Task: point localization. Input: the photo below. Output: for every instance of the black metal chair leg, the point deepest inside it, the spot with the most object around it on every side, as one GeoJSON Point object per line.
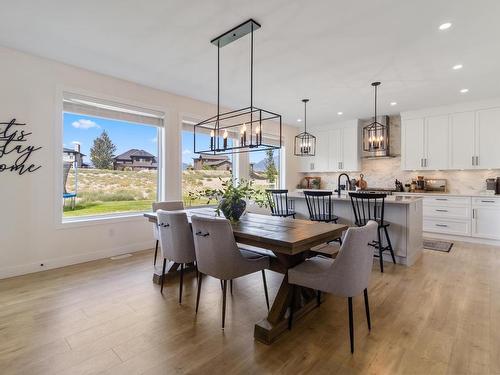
{"type": "Point", "coordinates": [200, 278]}
{"type": "Point", "coordinates": [156, 252]}
{"type": "Point", "coordinates": [292, 304]}
{"type": "Point", "coordinates": [181, 282]}
{"type": "Point", "coordinates": [351, 325]}
{"type": "Point", "coordinates": [265, 288]}
{"type": "Point", "coordinates": [231, 286]}
{"type": "Point", "coordinates": [389, 245]}
{"type": "Point", "coordinates": [224, 289]}
{"type": "Point", "coordinates": [380, 251]}
{"type": "Point", "coordinates": [367, 309]}
{"type": "Point", "coordinates": [163, 274]}
{"type": "Point", "coordinates": [318, 297]}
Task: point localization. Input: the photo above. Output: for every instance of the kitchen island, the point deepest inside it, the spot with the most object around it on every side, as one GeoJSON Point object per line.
{"type": "Point", "coordinates": [404, 213]}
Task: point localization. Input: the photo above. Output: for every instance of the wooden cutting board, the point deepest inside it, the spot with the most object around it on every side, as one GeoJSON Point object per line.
{"type": "Point", "coordinates": [361, 183]}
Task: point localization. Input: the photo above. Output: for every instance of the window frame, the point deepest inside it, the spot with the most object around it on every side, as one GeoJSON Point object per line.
{"type": "Point", "coordinates": [60, 222]}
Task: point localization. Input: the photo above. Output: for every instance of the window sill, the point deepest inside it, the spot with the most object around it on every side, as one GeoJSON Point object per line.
{"type": "Point", "coordinates": [85, 221]}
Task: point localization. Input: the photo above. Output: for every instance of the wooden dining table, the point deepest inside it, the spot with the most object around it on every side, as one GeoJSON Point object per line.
{"type": "Point", "coordinates": [290, 240]}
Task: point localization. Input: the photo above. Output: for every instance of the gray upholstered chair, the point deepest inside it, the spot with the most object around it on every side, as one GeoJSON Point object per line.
{"type": "Point", "coordinates": [176, 242]}
{"type": "Point", "coordinates": [167, 206]}
{"type": "Point", "coordinates": [346, 276]}
{"type": "Point", "coordinates": [218, 255]}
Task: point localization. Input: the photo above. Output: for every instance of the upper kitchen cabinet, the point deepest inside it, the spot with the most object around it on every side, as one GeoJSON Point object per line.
{"type": "Point", "coordinates": [412, 144]}
{"type": "Point", "coordinates": [487, 138]}
{"type": "Point", "coordinates": [462, 134]}
{"type": "Point", "coordinates": [457, 139]}
{"type": "Point", "coordinates": [337, 149]}
{"type": "Point", "coordinates": [425, 143]}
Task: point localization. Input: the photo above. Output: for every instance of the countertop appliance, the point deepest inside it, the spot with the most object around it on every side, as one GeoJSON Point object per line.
{"type": "Point", "coordinates": [493, 185]}
{"type": "Point", "coordinates": [435, 185]}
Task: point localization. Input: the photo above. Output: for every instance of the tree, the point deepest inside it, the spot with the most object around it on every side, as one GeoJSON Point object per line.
{"type": "Point", "coordinates": [271, 171]}
{"type": "Point", "coordinates": [101, 153]}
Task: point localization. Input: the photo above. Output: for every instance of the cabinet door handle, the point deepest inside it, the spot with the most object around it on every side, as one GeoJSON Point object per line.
{"type": "Point", "coordinates": [473, 213]}
{"type": "Point", "coordinates": [473, 161]}
{"type": "Point", "coordinates": [442, 225]}
{"type": "Point", "coordinates": [483, 201]}
{"type": "Point", "coordinates": [477, 160]}
{"type": "Point", "coordinates": [441, 199]}
{"type": "Point", "coordinates": [421, 162]}
{"type": "Point", "coordinates": [442, 210]}
{"type": "Point", "coordinates": [425, 162]}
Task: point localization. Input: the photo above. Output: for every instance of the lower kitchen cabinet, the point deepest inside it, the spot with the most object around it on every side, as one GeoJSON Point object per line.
{"type": "Point", "coordinates": [486, 218]}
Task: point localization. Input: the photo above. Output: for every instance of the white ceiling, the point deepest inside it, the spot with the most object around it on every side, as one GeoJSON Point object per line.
{"type": "Point", "coordinates": [328, 50]}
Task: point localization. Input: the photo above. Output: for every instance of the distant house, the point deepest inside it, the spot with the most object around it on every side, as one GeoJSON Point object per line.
{"type": "Point", "coordinates": [135, 160]}
{"type": "Point", "coordinates": [74, 155]}
{"type": "Point", "coordinates": [220, 163]}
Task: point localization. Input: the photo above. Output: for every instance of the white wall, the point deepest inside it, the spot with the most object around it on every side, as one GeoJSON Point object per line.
{"type": "Point", "coordinates": [30, 92]}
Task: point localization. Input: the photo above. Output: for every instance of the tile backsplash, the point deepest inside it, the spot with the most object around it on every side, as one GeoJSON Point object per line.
{"type": "Point", "coordinates": [381, 173]}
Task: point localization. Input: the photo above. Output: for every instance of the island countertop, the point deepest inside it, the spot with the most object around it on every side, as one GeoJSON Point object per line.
{"type": "Point", "coordinates": [390, 199]}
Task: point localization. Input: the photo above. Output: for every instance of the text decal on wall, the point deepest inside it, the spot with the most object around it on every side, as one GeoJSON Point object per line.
{"type": "Point", "coordinates": [14, 153]}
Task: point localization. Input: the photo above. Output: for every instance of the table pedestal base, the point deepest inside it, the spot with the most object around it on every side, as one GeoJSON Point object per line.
{"type": "Point", "coordinates": [171, 272]}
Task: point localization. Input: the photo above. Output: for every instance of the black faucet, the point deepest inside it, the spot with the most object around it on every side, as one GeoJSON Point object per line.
{"type": "Point", "coordinates": [347, 184]}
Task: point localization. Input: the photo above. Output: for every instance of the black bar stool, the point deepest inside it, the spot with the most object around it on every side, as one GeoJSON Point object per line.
{"type": "Point", "coordinates": [279, 203]}
{"type": "Point", "coordinates": [320, 206]}
{"type": "Point", "coordinates": [370, 206]}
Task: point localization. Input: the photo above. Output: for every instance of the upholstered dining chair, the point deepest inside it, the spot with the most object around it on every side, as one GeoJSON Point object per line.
{"type": "Point", "coordinates": [346, 276]}
{"type": "Point", "coordinates": [176, 242]}
{"type": "Point", "coordinates": [166, 206]}
{"type": "Point", "coordinates": [218, 255]}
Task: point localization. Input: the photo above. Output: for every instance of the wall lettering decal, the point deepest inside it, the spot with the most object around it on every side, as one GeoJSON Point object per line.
{"type": "Point", "coordinates": [13, 148]}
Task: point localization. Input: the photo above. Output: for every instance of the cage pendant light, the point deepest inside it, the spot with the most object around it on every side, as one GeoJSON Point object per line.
{"type": "Point", "coordinates": [242, 130]}
{"type": "Point", "coordinates": [305, 143]}
{"type": "Point", "coordinates": [375, 134]}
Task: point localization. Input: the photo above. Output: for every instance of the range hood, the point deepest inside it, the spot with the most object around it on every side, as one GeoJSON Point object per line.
{"type": "Point", "coordinates": [384, 120]}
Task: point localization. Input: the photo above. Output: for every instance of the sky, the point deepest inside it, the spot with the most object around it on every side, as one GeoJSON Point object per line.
{"type": "Point", "coordinates": [125, 136]}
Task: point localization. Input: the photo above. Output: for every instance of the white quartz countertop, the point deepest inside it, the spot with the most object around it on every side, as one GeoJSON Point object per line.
{"type": "Point", "coordinates": [390, 199]}
{"type": "Point", "coordinates": [430, 194]}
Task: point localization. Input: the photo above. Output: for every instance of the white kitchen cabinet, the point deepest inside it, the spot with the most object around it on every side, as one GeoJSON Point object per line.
{"type": "Point", "coordinates": [462, 134]}
{"type": "Point", "coordinates": [487, 138]}
{"type": "Point", "coordinates": [350, 149]}
{"type": "Point", "coordinates": [486, 218]}
{"type": "Point", "coordinates": [334, 151]}
{"type": "Point", "coordinates": [412, 143]}
{"type": "Point", "coordinates": [318, 162]}
{"type": "Point", "coordinates": [436, 142]}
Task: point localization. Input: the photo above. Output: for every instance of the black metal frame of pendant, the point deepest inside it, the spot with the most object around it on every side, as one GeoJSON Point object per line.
{"type": "Point", "coordinates": [246, 124]}
{"type": "Point", "coordinates": [375, 134]}
{"type": "Point", "coordinates": [304, 143]}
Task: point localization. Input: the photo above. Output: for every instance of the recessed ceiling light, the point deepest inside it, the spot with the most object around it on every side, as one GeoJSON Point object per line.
{"type": "Point", "coordinates": [458, 66]}
{"type": "Point", "coordinates": [463, 91]}
{"type": "Point", "coordinates": [393, 103]}
{"type": "Point", "coordinates": [445, 26]}
{"type": "Point", "coordinates": [340, 113]}
{"type": "Point", "coordinates": [299, 120]}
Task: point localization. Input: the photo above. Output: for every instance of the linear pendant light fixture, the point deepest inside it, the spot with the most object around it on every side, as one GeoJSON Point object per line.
{"type": "Point", "coordinates": [243, 127]}
{"type": "Point", "coordinates": [375, 135]}
{"type": "Point", "coordinates": [305, 143]}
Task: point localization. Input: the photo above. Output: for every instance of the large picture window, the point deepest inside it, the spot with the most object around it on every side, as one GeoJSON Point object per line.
{"type": "Point", "coordinates": [110, 157]}
{"type": "Point", "coordinates": [264, 169]}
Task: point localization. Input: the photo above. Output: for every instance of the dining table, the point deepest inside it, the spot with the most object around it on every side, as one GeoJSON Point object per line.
{"type": "Point", "coordinates": [289, 242]}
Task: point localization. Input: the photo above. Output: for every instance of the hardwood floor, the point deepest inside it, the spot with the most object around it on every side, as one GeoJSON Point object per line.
{"type": "Point", "coordinates": [441, 316]}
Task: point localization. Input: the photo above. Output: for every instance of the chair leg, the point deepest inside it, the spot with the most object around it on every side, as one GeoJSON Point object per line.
{"type": "Point", "coordinates": [389, 245]}
{"type": "Point", "coordinates": [181, 282]}
{"type": "Point", "coordinates": [290, 318]}
{"type": "Point", "coordinates": [156, 252]}
{"type": "Point", "coordinates": [224, 289]}
{"type": "Point", "coordinates": [351, 325]}
{"type": "Point", "coordinates": [265, 288]}
{"type": "Point", "coordinates": [318, 297]}
{"type": "Point", "coordinates": [367, 309]}
{"type": "Point", "coordinates": [231, 286]}
{"type": "Point", "coordinates": [293, 216]}
{"type": "Point", "coordinates": [163, 274]}
{"type": "Point", "coordinates": [221, 285]}
{"type": "Point", "coordinates": [200, 278]}
{"type": "Point", "coordinates": [381, 259]}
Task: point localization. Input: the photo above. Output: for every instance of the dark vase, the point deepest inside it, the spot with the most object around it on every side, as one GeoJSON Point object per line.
{"type": "Point", "coordinates": [232, 209]}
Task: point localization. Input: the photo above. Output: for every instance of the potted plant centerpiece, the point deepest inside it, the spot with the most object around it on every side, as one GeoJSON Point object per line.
{"type": "Point", "coordinates": [232, 197]}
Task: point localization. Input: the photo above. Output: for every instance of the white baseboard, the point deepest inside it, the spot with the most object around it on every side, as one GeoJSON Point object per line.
{"type": "Point", "coordinates": [449, 237]}
{"type": "Point", "coordinates": [49, 264]}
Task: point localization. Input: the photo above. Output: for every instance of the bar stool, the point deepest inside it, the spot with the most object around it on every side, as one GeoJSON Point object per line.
{"type": "Point", "coordinates": [370, 206]}
{"type": "Point", "coordinates": [320, 207]}
{"type": "Point", "coordinates": [279, 203]}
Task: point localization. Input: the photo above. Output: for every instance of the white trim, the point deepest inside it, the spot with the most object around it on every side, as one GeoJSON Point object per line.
{"type": "Point", "coordinates": [86, 221]}
{"type": "Point", "coordinates": [58, 220]}
{"type": "Point", "coordinates": [72, 259]}
{"type": "Point", "coordinates": [468, 239]}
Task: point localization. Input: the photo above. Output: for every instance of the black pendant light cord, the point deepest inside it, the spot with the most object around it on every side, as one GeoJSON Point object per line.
{"type": "Point", "coordinates": [305, 116]}
{"type": "Point", "coordinates": [251, 87]}
{"type": "Point", "coordinates": [375, 103]}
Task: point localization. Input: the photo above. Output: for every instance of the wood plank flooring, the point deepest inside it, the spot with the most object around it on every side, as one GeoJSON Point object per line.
{"type": "Point", "coordinates": [441, 316]}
